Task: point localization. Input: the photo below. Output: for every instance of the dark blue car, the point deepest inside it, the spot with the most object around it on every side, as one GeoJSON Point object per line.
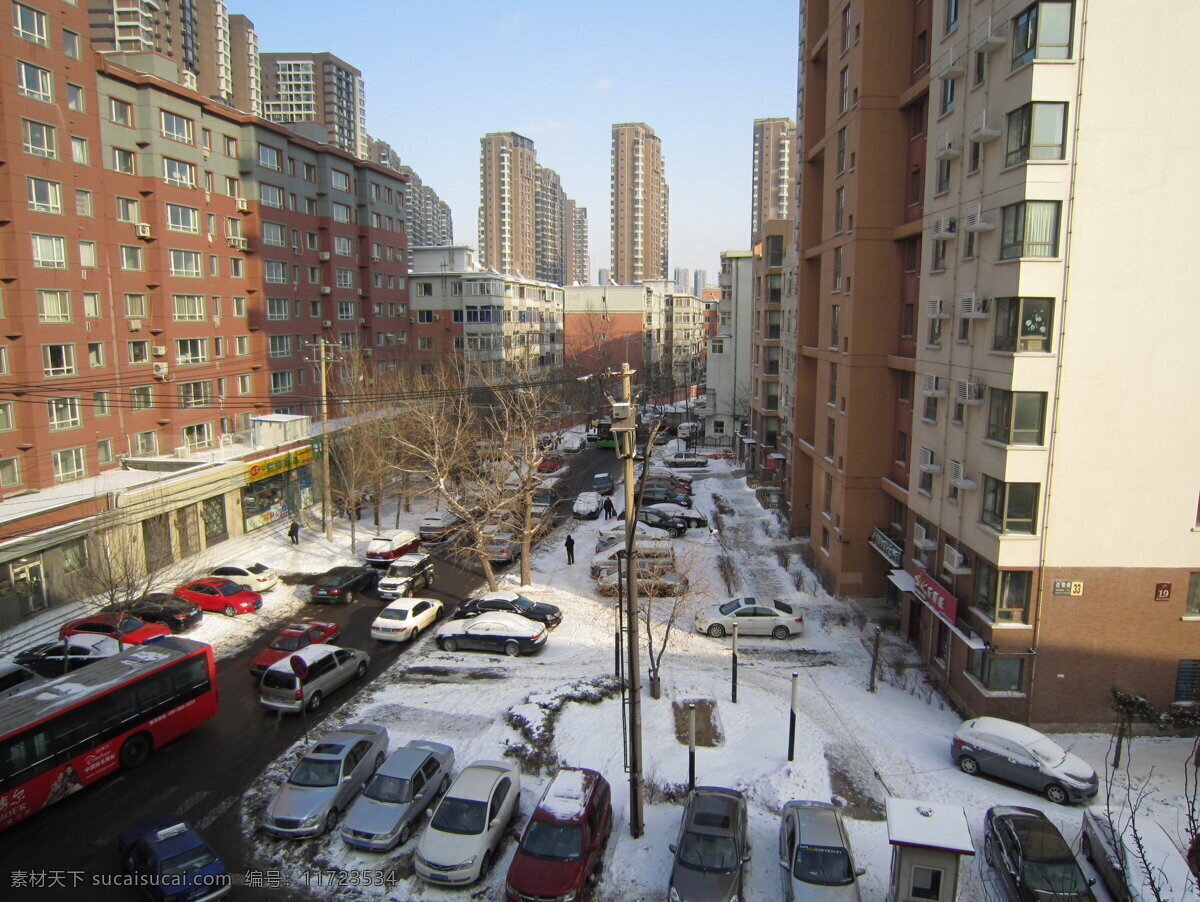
{"type": "Point", "coordinates": [181, 865]}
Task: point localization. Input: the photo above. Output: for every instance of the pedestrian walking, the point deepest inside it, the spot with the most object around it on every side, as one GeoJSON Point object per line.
{"type": "Point", "coordinates": [570, 544]}
{"type": "Point", "coordinates": [294, 532]}
{"type": "Point", "coordinates": [609, 510]}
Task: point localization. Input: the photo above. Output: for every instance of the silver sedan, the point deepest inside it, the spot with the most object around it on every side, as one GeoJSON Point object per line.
{"type": "Point", "coordinates": [391, 806]}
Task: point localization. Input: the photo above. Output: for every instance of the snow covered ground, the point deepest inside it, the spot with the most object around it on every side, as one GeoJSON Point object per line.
{"type": "Point", "coordinates": [851, 745]}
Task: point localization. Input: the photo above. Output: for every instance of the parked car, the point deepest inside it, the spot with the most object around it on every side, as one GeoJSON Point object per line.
{"type": "Point", "coordinates": [603, 483]}
{"type": "Point", "coordinates": [325, 781]}
{"type": "Point", "coordinates": [438, 527]}
{"type": "Point", "coordinates": [512, 603]}
{"type": "Point", "coordinates": [815, 856]}
{"type": "Point", "coordinates": [215, 593]}
{"type": "Point", "coordinates": [683, 459]}
{"type": "Point", "coordinates": [1022, 755]}
{"type": "Point", "coordinates": [1122, 865]}
{"type": "Point", "coordinates": [551, 462]}
{"type": "Point", "coordinates": [610, 537]}
{"type": "Point", "coordinates": [1103, 847]}
{"type": "Point", "coordinates": [171, 860]}
{"type": "Point", "coordinates": [659, 551]}
{"type": "Point", "coordinates": [572, 443]}
{"type": "Point", "coordinates": [544, 498]}
{"type": "Point", "coordinates": [339, 584]}
{"type": "Point", "coordinates": [664, 482]}
{"type": "Point", "coordinates": [495, 631]}
{"type": "Point", "coordinates": [291, 639]}
{"type": "Point", "coordinates": [121, 626]}
{"type": "Point", "coordinates": [659, 494]}
{"type": "Point", "coordinates": [469, 823]}
{"type": "Point", "coordinates": [1030, 858]}
{"type": "Point", "coordinates": [689, 429]}
{"type": "Point", "coordinates": [587, 506]}
{"type": "Point", "coordinates": [384, 549]}
{"type": "Point", "coordinates": [694, 519]}
{"type": "Point", "coordinates": [328, 668]}
{"type": "Point", "coordinates": [248, 574]}
{"type": "Point", "coordinates": [53, 659]}
{"type": "Point", "coordinates": [500, 544]}
{"type": "Point", "coordinates": [753, 618]}
{"type": "Point", "coordinates": [712, 849]}
{"type": "Point", "coordinates": [652, 582]}
{"type": "Point", "coordinates": [667, 473]}
{"type": "Point", "coordinates": [406, 575]}
{"type": "Point", "coordinates": [563, 842]}
{"type": "Point", "coordinates": [672, 526]}
{"type": "Point", "coordinates": [16, 678]}
{"type": "Point", "coordinates": [171, 611]}
{"type": "Point", "coordinates": [405, 619]}
{"type": "Point", "coordinates": [402, 789]}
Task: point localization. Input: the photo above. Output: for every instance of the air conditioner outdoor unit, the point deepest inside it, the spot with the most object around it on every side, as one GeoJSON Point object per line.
{"type": "Point", "coordinates": [324, 256]}
{"type": "Point", "coordinates": [954, 561]}
{"type": "Point", "coordinates": [437, 317]}
{"type": "Point", "coordinates": [159, 351]}
{"type": "Point", "coordinates": [362, 320]}
{"type": "Point", "coordinates": [142, 230]}
{"type": "Point", "coordinates": [985, 38]}
{"type": "Point", "coordinates": [239, 243]}
{"type": "Point", "coordinates": [325, 289]}
{"type": "Point", "coordinates": [945, 148]}
{"type": "Point", "coordinates": [360, 291]}
{"type": "Point", "coordinates": [921, 540]}
{"type": "Point", "coordinates": [974, 307]}
{"type": "Point", "coordinates": [241, 205]}
{"type": "Point", "coordinates": [957, 477]}
{"type": "Point", "coordinates": [973, 221]}
{"type": "Point", "coordinates": [943, 227]}
{"type": "Point", "coordinates": [183, 451]}
{"type": "Point", "coordinates": [326, 324]}
{"type": "Point", "coordinates": [937, 309]}
{"type": "Point", "coordinates": [135, 325]}
{"type": "Point", "coordinates": [160, 369]}
{"type": "Point", "coordinates": [928, 462]}
{"type": "Point", "coordinates": [375, 258]}
{"type": "Point", "coordinates": [217, 321]}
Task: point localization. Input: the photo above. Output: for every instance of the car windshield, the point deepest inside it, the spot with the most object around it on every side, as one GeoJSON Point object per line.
{"type": "Point", "coordinates": [258, 568]}
{"type": "Point", "coordinates": [822, 866]}
{"type": "Point", "coordinates": [388, 789]}
{"type": "Point", "coordinates": [129, 624]}
{"type": "Point", "coordinates": [558, 842]}
{"type": "Point", "coordinates": [286, 643]}
{"type": "Point", "coordinates": [463, 816]}
{"type": "Point", "coordinates": [730, 606]}
{"type": "Point", "coordinates": [393, 614]}
{"type": "Point", "coordinates": [521, 603]}
{"type": "Point", "coordinates": [400, 571]}
{"type": "Point", "coordinates": [706, 852]}
{"type": "Point", "coordinates": [316, 772]}
{"type": "Point", "coordinates": [184, 862]}
{"type": "Point", "coordinates": [1058, 877]}
{"type": "Point", "coordinates": [1048, 752]}
{"type": "Point", "coordinates": [229, 588]}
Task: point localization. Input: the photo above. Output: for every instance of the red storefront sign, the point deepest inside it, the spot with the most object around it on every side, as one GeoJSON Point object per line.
{"type": "Point", "coordinates": [935, 596]}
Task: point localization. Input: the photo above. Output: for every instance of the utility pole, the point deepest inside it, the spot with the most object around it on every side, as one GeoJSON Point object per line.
{"type": "Point", "coordinates": [327, 498]}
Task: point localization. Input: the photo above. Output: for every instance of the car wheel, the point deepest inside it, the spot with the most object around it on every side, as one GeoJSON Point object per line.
{"type": "Point", "coordinates": [1085, 846]}
{"type": "Point", "coordinates": [415, 632]}
{"type": "Point", "coordinates": [512, 648]}
{"type": "Point", "coordinates": [1056, 794]}
{"type": "Point", "coordinates": [673, 533]}
{"type": "Point", "coordinates": [230, 611]}
{"type": "Point", "coordinates": [349, 598]}
{"type": "Point", "coordinates": [486, 864]}
{"type": "Point", "coordinates": [989, 853]}
{"type": "Point", "coordinates": [716, 631]}
{"type": "Point", "coordinates": [331, 820]}
{"type": "Point", "coordinates": [405, 834]}
{"type": "Point", "coordinates": [315, 702]}
{"type": "Point", "coordinates": [968, 765]}
{"type": "Point", "coordinates": [781, 632]}
{"type": "Point", "coordinates": [449, 644]}
{"type": "Point", "coordinates": [361, 670]}
{"type": "Point", "coordinates": [135, 751]}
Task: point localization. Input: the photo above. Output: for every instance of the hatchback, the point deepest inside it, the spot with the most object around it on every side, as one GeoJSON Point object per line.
{"type": "Point", "coordinates": [327, 667]}
{"type": "Point", "coordinates": [587, 506]}
{"type": "Point", "coordinates": [1022, 755]}
{"type": "Point", "coordinates": [815, 857]}
{"type": "Point", "coordinates": [712, 849]}
{"type": "Point", "coordinates": [391, 805]}
{"type": "Point", "coordinates": [1030, 858]}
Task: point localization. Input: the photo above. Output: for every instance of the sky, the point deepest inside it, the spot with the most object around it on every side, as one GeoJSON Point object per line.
{"type": "Point", "coordinates": [440, 76]}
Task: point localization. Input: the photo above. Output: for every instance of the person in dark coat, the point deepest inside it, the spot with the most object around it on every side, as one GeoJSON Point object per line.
{"type": "Point", "coordinates": [610, 510]}
{"type": "Point", "coordinates": [294, 532]}
{"type": "Point", "coordinates": [570, 544]}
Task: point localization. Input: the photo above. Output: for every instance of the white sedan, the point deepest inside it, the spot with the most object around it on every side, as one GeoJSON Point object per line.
{"type": "Point", "coordinates": [248, 574]}
{"type": "Point", "coordinates": [405, 619]}
{"type": "Point", "coordinates": [753, 618]}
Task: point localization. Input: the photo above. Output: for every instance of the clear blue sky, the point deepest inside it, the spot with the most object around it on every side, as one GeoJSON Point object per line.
{"type": "Point", "coordinates": [440, 76]}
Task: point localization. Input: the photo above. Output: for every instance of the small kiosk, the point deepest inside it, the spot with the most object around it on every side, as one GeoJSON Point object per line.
{"type": "Point", "coordinates": [927, 841]}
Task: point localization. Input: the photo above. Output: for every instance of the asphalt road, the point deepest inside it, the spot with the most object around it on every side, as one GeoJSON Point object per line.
{"type": "Point", "coordinates": [203, 774]}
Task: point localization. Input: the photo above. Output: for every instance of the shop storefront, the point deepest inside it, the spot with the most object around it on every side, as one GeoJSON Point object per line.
{"type": "Point", "coordinates": [279, 487]}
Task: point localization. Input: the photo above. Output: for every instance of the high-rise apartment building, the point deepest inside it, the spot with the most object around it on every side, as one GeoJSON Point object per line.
{"type": "Point", "coordinates": [640, 205]}
{"type": "Point", "coordinates": [427, 217]}
{"type": "Point", "coordinates": [246, 66]}
{"type": "Point", "coordinates": [771, 180]}
{"type": "Point", "coordinates": [317, 89]}
{"type": "Point", "coordinates": [508, 203]}
{"type": "Point", "coordinates": [551, 227]}
{"type": "Point", "coordinates": [977, 430]}
{"type": "Point", "coordinates": [579, 262]}
{"type": "Point", "coordinates": [699, 282]}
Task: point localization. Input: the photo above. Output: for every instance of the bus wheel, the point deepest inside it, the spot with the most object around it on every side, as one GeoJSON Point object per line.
{"type": "Point", "coordinates": [135, 751]}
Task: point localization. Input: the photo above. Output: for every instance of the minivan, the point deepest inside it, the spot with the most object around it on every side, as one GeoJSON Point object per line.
{"type": "Point", "coordinates": [328, 667]}
{"type": "Point", "coordinates": [382, 550]}
{"type": "Point", "coordinates": [1022, 755]}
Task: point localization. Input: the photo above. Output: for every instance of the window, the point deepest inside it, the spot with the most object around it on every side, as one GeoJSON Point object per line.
{"type": "Point", "coordinates": [979, 71]}
{"type": "Point", "coordinates": [104, 451]}
{"type": "Point", "coordinates": [424, 290]}
{"type": "Point", "coordinates": [273, 234]}
{"type": "Point", "coordinates": [343, 246]}
{"type": "Point", "coordinates": [79, 151]}
{"type": "Point", "coordinates": [49, 252]}
{"type": "Point", "coordinates": [10, 472]}
{"type": "Point", "coordinates": [145, 443]}
{"type": "Point", "coordinates": [141, 397]}
{"type": "Point", "coordinates": [39, 139]}
{"type": "Point", "coordinates": [841, 150]}
{"type": "Point", "coordinates": [83, 202]}
{"type": "Point", "coordinates": [69, 464]}
{"type": "Point", "coordinates": [34, 82]}
{"type": "Point", "coordinates": [177, 172]}
{"type": "Point", "coordinates": [835, 325]}
{"type": "Point", "coordinates": [974, 157]}
{"type": "Point", "coordinates": [43, 195]}
{"type": "Point", "coordinates": [424, 344]}
{"type": "Point", "coordinates": [943, 177]}
{"type": "Point", "coordinates": [1016, 418]}
{"type": "Point", "coordinates": [837, 269]}
{"type": "Point", "coordinates": [1010, 507]}
{"type": "Point", "coordinates": [127, 209]}
{"type": "Point", "coordinates": [270, 196]}
{"type": "Point", "coordinates": [929, 409]}
{"type": "Point", "coordinates": [241, 345]}
{"type": "Point", "coordinates": [1187, 681]}
{"type": "Point", "coordinates": [72, 46]}
{"type": "Point", "coordinates": [345, 309]}
{"type": "Point", "coordinates": [75, 98]}
{"type": "Point", "coordinates": [183, 219]}
{"type": "Point", "coordinates": [280, 346]}
{"type": "Point", "coordinates": [341, 212]}
{"type": "Point", "coordinates": [29, 24]}
{"type": "Point", "coordinates": [340, 180]}
{"type": "Point", "coordinates": [91, 304]}
{"type": "Point", "coordinates": [64, 413]}
{"type": "Point", "coordinates": [937, 255]}
{"type": "Point", "coordinates": [844, 90]}
{"type": "Point", "coordinates": [239, 306]}
{"type": "Point", "coordinates": [1043, 31]}
{"type": "Point", "coordinates": [839, 209]}
{"type": "Point", "coordinates": [951, 15]}
{"type": "Point", "coordinates": [185, 264]}
{"type": "Point", "coordinates": [281, 383]}
{"type": "Point", "coordinates": [1036, 131]}
{"type": "Point", "coordinates": [195, 394]}
{"type": "Point", "coordinates": [54, 306]}
{"type": "Point", "coordinates": [187, 307]}
{"type": "Point", "coordinates": [191, 350]}
{"type": "Point", "coordinates": [87, 253]}
{"type": "Point", "coordinates": [1002, 595]}
{"type": "Point", "coordinates": [846, 28]}
{"type": "Point", "coordinates": [176, 127]}
{"type": "Point", "coordinates": [344, 278]}
{"type": "Point", "coordinates": [278, 309]}
{"type": "Point", "coordinates": [270, 158]}
{"type": "Point", "coordinates": [996, 673]}
{"type": "Point", "coordinates": [928, 461]}
{"type": "Point", "coordinates": [902, 448]}
{"type": "Point", "coordinates": [230, 145]}
{"type": "Point", "coordinates": [237, 267]}
{"type": "Point", "coordinates": [139, 351]}
{"type": "Point", "coordinates": [830, 437]}
{"type": "Point", "coordinates": [1192, 607]}
{"type": "Point", "coordinates": [198, 436]}
{"type": "Point", "coordinates": [1030, 229]}
{"type": "Point", "coordinates": [1023, 324]}
{"type": "Point", "coordinates": [946, 96]}
{"type": "Point", "coordinates": [123, 161]}
{"type": "Point", "coordinates": [243, 382]}
{"type": "Point", "coordinates": [120, 112]}
{"type": "Point", "coordinates": [7, 423]}
{"type": "Point", "coordinates": [135, 305]}
{"type": "Point", "coordinates": [914, 185]}
{"type": "Point", "coordinates": [969, 241]}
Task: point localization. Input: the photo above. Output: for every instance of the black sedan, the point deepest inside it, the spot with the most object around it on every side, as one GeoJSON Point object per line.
{"type": "Point", "coordinates": [494, 631]}
{"type": "Point", "coordinates": [1030, 857]}
{"type": "Point", "coordinates": [53, 659]}
{"type": "Point", "coordinates": [655, 518]}
{"type": "Point", "coordinates": [512, 603]}
{"type": "Point", "coordinates": [662, 495]}
{"type": "Point", "coordinates": [339, 584]}
{"type": "Point", "coordinates": [162, 607]}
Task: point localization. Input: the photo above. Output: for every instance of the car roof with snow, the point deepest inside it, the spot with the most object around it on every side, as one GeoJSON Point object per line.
{"type": "Point", "coordinates": [1002, 729]}
{"type": "Point", "coordinates": [309, 654]}
{"type": "Point", "coordinates": [404, 604]}
{"type": "Point", "coordinates": [565, 799]}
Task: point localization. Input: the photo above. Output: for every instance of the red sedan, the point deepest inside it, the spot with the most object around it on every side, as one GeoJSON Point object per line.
{"type": "Point", "coordinates": [217, 594]}
{"type": "Point", "coordinates": [291, 639]}
{"type": "Point", "coordinates": [110, 623]}
{"type": "Point", "coordinates": [550, 463]}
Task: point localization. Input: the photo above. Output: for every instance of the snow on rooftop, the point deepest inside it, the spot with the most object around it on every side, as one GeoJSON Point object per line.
{"type": "Point", "coordinates": [929, 825]}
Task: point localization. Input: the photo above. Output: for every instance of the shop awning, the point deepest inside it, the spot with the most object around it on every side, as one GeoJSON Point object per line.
{"type": "Point", "coordinates": [902, 580]}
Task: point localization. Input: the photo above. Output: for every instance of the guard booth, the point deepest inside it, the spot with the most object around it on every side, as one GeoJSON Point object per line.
{"type": "Point", "coordinates": [928, 840]}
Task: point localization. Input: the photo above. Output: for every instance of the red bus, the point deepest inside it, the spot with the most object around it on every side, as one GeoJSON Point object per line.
{"type": "Point", "coordinates": [60, 736]}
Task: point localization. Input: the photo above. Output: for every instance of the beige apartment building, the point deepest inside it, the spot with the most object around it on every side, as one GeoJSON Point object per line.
{"type": "Point", "coordinates": [771, 178]}
{"type": "Point", "coordinates": [640, 198]}
{"type": "Point", "coordinates": [317, 89]}
{"type": "Point", "coordinates": [508, 203]}
{"type": "Point", "coordinates": [990, 442]}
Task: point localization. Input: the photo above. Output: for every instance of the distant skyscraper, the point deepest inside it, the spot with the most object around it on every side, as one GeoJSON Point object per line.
{"type": "Point", "coordinates": [427, 218]}
{"type": "Point", "coordinates": [578, 260]}
{"type": "Point", "coordinates": [683, 281]}
{"type": "Point", "coordinates": [772, 181]}
{"type": "Point", "coordinates": [551, 227]}
{"type": "Point", "coordinates": [246, 65]}
{"type": "Point", "coordinates": [603, 276]}
{"type": "Point", "coordinates": [317, 88]}
{"type": "Point", "coordinates": [639, 204]}
{"type": "Point", "coordinates": [699, 282]}
{"type": "Point", "coordinates": [508, 203]}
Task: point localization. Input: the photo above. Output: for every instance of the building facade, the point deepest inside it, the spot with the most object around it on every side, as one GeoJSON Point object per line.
{"type": "Point", "coordinates": [551, 228]}
{"type": "Point", "coordinates": [579, 259]}
{"type": "Point", "coordinates": [508, 203]}
{"type": "Point", "coordinates": [640, 205]}
{"type": "Point", "coordinates": [317, 89]}
{"type": "Point", "coordinates": [246, 94]}
{"type": "Point", "coordinates": [607, 325]}
{"type": "Point", "coordinates": [727, 362]}
{"type": "Point", "coordinates": [771, 177]}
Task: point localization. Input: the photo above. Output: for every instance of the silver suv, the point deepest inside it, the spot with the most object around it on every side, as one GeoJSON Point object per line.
{"type": "Point", "coordinates": [327, 668]}
{"type": "Point", "coordinates": [814, 854]}
{"type": "Point", "coordinates": [406, 575]}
